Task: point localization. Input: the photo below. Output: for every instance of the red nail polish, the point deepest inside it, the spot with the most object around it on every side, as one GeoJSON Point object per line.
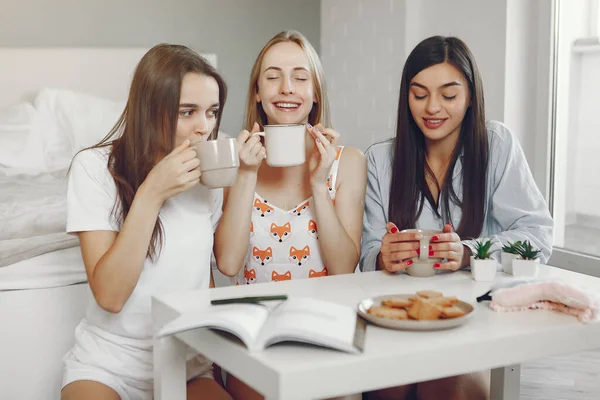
{"type": "Point", "coordinates": [394, 229]}
{"type": "Point", "coordinates": [435, 238]}
{"type": "Point", "coordinates": [430, 253]}
{"type": "Point", "coordinates": [418, 251]}
{"type": "Point", "coordinates": [409, 262]}
{"type": "Point", "coordinates": [430, 247]}
{"type": "Point", "coordinates": [436, 265]}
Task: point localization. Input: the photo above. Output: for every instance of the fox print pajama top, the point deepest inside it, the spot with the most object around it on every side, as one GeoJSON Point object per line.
{"type": "Point", "coordinates": [284, 244]}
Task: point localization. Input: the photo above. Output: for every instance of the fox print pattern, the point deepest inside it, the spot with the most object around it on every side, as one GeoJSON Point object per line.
{"type": "Point", "coordinates": [284, 241]}
{"type": "Point", "coordinates": [262, 208]}
{"type": "Point", "coordinates": [263, 257]}
{"type": "Point", "coordinates": [250, 275]}
{"type": "Point", "coordinates": [299, 256]}
{"type": "Point", "coordinates": [301, 209]}
{"type": "Point", "coordinates": [281, 233]}
{"type": "Point", "coordinates": [314, 274]}
{"type": "Point", "coordinates": [312, 229]}
{"type": "Point", "coordinates": [275, 277]}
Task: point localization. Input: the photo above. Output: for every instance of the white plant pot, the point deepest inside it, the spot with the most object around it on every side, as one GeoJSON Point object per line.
{"type": "Point", "coordinates": [507, 259]}
{"type": "Point", "coordinates": [483, 270]}
{"type": "Point", "coordinates": [525, 268]}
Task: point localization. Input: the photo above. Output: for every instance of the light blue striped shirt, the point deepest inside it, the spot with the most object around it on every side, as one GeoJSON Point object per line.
{"type": "Point", "coordinates": [514, 210]}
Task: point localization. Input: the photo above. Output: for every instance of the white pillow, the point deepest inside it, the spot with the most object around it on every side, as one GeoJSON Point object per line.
{"type": "Point", "coordinates": [81, 120]}
{"type": "Point", "coordinates": [20, 146]}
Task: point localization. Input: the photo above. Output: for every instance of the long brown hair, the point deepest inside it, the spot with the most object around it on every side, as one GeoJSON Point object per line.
{"type": "Point", "coordinates": [145, 132]}
{"type": "Point", "coordinates": [409, 188]}
{"type": "Point", "coordinates": [320, 110]}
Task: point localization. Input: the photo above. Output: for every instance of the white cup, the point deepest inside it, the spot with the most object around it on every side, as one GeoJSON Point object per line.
{"type": "Point", "coordinates": [285, 144]}
{"type": "Point", "coordinates": [423, 265]}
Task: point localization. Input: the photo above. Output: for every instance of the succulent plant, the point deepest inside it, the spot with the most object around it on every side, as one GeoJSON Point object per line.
{"type": "Point", "coordinates": [512, 248]}
{"type": "Point", "coordinates": [528, 252]}
{"type": "Point", "coordinates": [482, 249]}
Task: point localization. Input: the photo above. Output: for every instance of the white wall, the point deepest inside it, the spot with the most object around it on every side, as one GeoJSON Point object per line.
{"type": "Point", "coordinates": [365, 43]}
{"type": "Point", "coordinates": [480, 23]}
{"type": "Point", "coordinates": [362, 50]}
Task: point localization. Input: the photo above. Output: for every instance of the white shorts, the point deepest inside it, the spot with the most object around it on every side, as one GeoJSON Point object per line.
{"type": "Point", "coordinates": [123, 364]}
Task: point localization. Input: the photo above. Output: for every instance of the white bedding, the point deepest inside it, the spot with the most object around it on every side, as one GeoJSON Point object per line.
{"type": "Point", "coordinates": [58, 268]}
{"type": "Point", "coordinates": [32, 216]}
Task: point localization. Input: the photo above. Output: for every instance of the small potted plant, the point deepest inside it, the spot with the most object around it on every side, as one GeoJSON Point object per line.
{"type": "Point", "coordinates": [510, 252]}
{"type": "Point", "coordinates": [483, 268]}
{"type": "Point", "coordinates": [529, 262]}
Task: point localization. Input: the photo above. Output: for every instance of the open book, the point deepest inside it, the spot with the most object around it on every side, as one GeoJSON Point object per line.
{"type": "Point", "coordinates": [298, 319]}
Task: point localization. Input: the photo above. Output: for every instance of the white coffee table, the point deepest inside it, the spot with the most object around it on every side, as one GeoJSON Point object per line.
{"type": "Point", "coordinates": [490, 340]}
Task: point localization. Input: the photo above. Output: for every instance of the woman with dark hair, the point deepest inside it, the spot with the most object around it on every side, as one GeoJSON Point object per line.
{"type": "Point", "coordinates": [447, 169]}
{"type": "Point", "coordinates": [144, 224]}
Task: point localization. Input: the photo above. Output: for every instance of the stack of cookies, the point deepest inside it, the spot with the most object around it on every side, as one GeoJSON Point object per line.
{"type": "Point", "coordinates": [425, 305]}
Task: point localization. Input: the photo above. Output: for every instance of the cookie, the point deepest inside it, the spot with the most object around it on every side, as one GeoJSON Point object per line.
{"type": "Point", "coordinates": [422, 309]}
{"type": "Point", "coordinates": [396, 303]}
{"type": "Point", "coordinates": [452, 312]}
{"type": "Point", "coordinates": [428, 294]}
{"type": "Point", "coordinates": [444, 301]}
{"type": "Point", "coordinates": [388, 312]}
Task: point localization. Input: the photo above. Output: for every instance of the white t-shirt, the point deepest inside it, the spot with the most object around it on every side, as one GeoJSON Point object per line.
{"type": "Point", "coordinates": [189, 221]}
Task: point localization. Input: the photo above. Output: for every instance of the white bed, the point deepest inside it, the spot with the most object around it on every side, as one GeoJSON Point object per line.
{"type": "Point", "coordinates": [44, 296]}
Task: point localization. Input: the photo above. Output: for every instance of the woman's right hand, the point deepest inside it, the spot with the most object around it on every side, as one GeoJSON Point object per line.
{"type": "Point", "coordinates": [397, 249]}
{"type": "Point", "coordinates": [250, 149]}
{"type": "Point", "coordinates": [175, 173]}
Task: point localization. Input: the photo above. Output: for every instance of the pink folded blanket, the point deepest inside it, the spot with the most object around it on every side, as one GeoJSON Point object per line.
{"type": "Point", "coordinates": [546, 295]}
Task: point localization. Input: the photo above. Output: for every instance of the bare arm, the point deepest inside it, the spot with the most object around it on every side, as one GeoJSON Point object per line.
{"type": "Point", "coordinates": [340, 227]}
{"type": "Point", "coordinates": [233, 233]}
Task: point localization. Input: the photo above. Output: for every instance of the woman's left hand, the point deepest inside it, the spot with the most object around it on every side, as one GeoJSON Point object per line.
{"type": "Point", "coordinates": [448, 245]}
{"type": "Point", "coordinates": [320, 162]}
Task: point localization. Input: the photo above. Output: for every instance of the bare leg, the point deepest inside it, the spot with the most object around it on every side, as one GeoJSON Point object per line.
{"type": "Point", "coordinates": [88, 390]}
{"type": "Point", "coordinates": [404, 392]}
{"type": "Point", "coordinates": [206, 388]}
{"type": "Point", "coordinates": [475, 386]}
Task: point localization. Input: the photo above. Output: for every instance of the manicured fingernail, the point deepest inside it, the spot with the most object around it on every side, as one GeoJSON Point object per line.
{"type": "Point", "coordinates": [430, 253]}
{"type": "Point", "coordinates": [436, 265]}
{"type": "Point", "coordinates": [430, 247]}
{"type": "Point", "coordinates": [394, 229]}
{"type": "Point", "coordinates": [435, 238]}
{"type": "Point", "coordinates": [418, 251]}
{"type": "Point", "coordinates": [409, 262]}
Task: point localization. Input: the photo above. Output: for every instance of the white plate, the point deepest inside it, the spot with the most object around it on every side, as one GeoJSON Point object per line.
{"type": "Point", "coordinates": [411, 324]}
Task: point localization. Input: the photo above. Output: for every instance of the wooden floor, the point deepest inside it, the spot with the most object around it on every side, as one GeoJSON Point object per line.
{"type": "Point", "coordinates": [569, 377]}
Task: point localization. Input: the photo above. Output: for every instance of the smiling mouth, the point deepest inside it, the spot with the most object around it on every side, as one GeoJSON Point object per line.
{"type": "Point", "coordinates": [286, 106]}
{"type": "Point", "coordinates": [434, 123]}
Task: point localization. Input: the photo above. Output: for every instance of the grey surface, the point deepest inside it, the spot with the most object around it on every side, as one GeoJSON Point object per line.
{"type": "Point", "coordinates": [233, 29]}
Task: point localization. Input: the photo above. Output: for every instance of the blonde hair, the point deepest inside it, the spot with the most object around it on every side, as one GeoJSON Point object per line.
{"type": "Point", "coordinates": [320, 110]}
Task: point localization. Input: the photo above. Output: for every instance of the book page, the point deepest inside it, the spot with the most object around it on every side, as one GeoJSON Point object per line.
{"type": "Point", "coordinates": [311, 321]}
{"type": "Point", "coordinates": [243, 320]}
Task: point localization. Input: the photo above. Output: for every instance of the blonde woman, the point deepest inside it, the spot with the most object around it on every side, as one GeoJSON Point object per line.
{"type": "Point", "coordinates": [294, 222]}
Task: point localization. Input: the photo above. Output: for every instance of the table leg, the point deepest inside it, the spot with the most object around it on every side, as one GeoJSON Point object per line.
{"type": "Point", "coordinates": [169, 369]}
{"type": "Point", "coordinates": [506, 383]}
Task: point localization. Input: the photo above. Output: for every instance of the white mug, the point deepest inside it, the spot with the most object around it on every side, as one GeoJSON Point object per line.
{"type": "Point", "coordinates": [423, 265]}
{"type": "Point", "coordinates": [285, 144]}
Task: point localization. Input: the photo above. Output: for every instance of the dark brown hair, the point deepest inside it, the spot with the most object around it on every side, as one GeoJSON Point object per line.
{"type": "Point", "coordinates": [409, 188]}
{"type": "Point", "coordinates": [145, 132]}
